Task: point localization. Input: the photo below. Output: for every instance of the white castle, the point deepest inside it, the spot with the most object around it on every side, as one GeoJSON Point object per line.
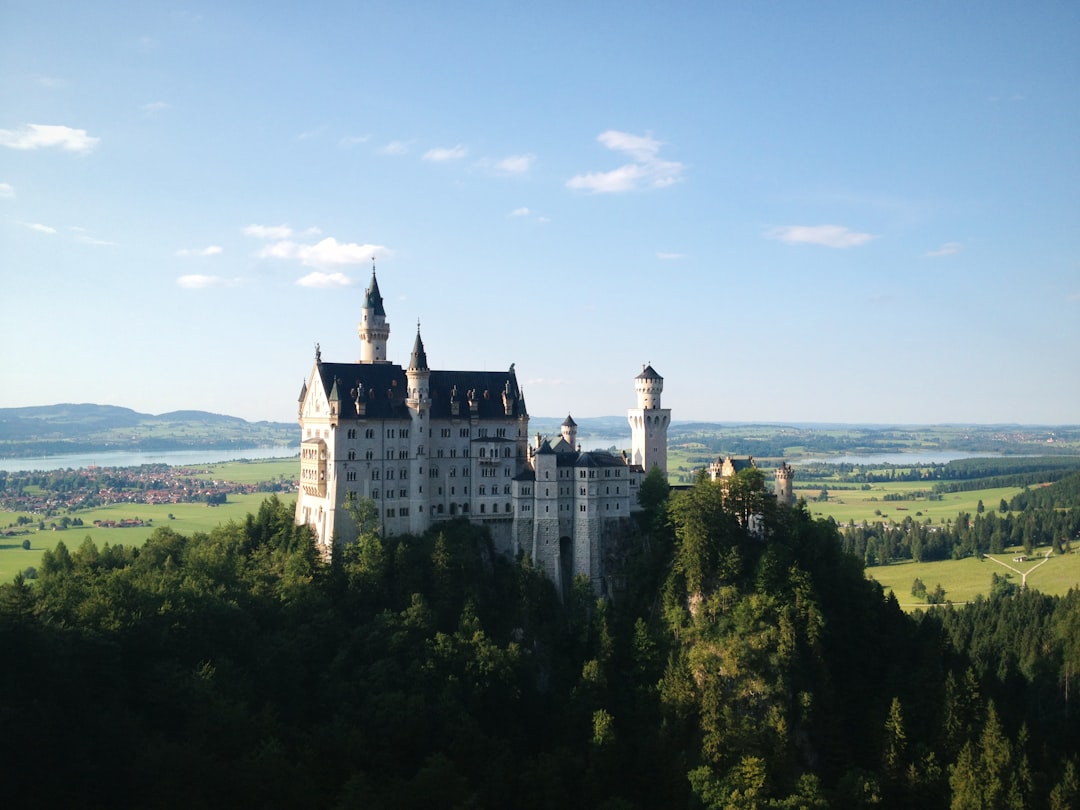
{"type": "Point", "coordinates": [427, 446]}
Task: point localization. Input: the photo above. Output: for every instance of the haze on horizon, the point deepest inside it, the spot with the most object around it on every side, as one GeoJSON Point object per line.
{"type": "Point", "coordinates": [841, 213]}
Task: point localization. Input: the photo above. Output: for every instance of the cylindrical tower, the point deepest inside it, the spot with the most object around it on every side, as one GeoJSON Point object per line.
{"type": "Point", "coordinates": [568, 431]}
{"type": "Point", "coordinates": [374, 331]}
{"type": "Point", "coordinates": [649, 422]}
{"type": "Point", "coordinates": [784, 478]}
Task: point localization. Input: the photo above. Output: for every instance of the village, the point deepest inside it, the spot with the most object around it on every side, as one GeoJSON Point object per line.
{"type": "Point", "coordinates": [48, 494]}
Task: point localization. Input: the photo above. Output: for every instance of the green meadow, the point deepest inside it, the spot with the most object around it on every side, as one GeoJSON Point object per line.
{"type": "Point", "coordinates": [847, 505]}
{"type": "Point", "coordinates": [187, 518]}
{"type": "Point", "coordinates": [963, 580]}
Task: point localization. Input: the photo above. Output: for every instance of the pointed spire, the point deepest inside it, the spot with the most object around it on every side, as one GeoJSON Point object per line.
{"type": "Point", "coordinates": [372, 297]}
{"type": "Point", "coordinates": [418, 360]}
{"type": "Point", "coordinates": [334, 395]}
{"type": "Point", "coordinates": [303, 391]}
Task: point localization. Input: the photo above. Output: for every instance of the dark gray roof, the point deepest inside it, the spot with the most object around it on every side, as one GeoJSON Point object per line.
{"type": "Point", "coordinates": [648, 373]}
{"type": "Point", "coordinates": [569, 422]}
{"type": "Point", "coordinates": [418, 359]}
{"type": "Point", "coordinates": [384, 389]}
{"type": "Point", "coordinates": [372, 297]}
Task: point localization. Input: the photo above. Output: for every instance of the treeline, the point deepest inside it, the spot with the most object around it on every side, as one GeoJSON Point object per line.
{"type": "Point", "coordinates": [1040, 517]}
{"type": "Point", "coordinates": [987, 533]}
{"type": "Point", "coordinates": [744, 662]}
{"type": "Point", "coordinates": [959, 475]}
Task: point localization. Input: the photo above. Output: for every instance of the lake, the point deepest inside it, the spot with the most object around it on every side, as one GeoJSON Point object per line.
{"type": "Point", "coordinates": [127, 458]}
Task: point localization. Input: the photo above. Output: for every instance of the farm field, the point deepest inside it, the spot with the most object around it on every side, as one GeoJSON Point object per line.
{"type": "Point", "coordinates": [965, 579]}
{"type": "Point", "coordinates": [847, 505]}
{"type": "Point", "coordinates": [188, 518]}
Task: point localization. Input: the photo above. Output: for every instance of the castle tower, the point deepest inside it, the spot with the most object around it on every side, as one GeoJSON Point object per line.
{"type": "Point", "coordinates": [568, 431]}
{"type": "Point", "coordinates": [418, 401]}
{"type": "Point", "coordinates": [784, 478]}
{"type": "Point", "coordinates": [374, 331]}
{"type": "Point", "coordinates": [649, 422]}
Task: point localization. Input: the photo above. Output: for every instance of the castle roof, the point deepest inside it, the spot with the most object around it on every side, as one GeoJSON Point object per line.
{"type": "Point", "coordinates": [418, 359]}
{"type": "Point", "coordinates": [383, 387]}
{"type": "Point", "coordinates": [648, 373]}
{"type": "Point", "coordinates": [569, 422]}
{"type": "Point", "coordinates": [372, 297]}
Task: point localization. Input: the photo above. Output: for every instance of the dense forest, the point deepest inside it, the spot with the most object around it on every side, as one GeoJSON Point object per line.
{"type": "Point", "coordinates": [1047, 516]}
{"type": "Point", "coordinates": [744, 661]}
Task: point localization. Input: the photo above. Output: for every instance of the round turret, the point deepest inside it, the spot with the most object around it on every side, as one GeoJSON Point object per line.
{"type": "Point", "coordinates": [649, 385]}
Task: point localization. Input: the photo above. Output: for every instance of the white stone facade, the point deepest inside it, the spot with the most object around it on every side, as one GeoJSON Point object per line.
{"type": "Point", "coordinates": [426, 446]}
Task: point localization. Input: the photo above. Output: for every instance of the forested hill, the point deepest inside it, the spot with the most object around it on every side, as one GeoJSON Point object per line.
{"type": "Point", "coordinates": [731, 669]}
{"type": "Point", "coordinates": [74, 428]}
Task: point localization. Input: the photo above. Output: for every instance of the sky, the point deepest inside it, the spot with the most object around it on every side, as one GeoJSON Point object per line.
{"type": "Point", "coordinates": [795, 212]}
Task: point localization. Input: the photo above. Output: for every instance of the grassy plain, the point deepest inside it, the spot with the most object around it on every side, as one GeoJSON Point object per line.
{"type": "Point", "coordinates": [965, 579]}
{"type": "Point", "coordinates": [846, 505]}
{"type": "Point", "coordinates": [187, 519]}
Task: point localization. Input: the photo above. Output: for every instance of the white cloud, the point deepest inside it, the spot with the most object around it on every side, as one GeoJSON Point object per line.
{"type": "Point", "coordinates": [834, 236]}
{"type": "Point", "coordinates": [7, 190]}
{"type": "Point", "coordinates": [324, 280]}
{"type": "Point", "coordinates": [83, 239]}
{"type": "Point", "coordinates": [353, 140]}
{"type": "Point", "coordinates": [515, 164]}
{"type": "Point", "coordinates": [49, 81]}
{"type": "Point", "coordinates": [441, 154]}
{"type": "Point", "coordinates": [647, 169]}
{"type": "Point", "coordinates": [37, 226]}
{"type": "Point", "coordinates": [198, 282]}
{"type": "Point", "coordinates": [212, 250]}
{"type": "Point", "coordinates": [154, 107]}
{"type": "Point", "coordinates": [395, 148]}
{"type": "Point", "coordinates": [669, 256]}
{"type": "Point", "coordinates": [311, 133]}
{"type": "Point", "coordinates": [38, 136]}
{"type": "Point", "coordinates": [323, 254]}
{"type": "Point", "coordinates": [268, 231]}
{"type": "Point", "coordinates": [520, 212]}
{"type": "Point", "coordinates": [947, 249]}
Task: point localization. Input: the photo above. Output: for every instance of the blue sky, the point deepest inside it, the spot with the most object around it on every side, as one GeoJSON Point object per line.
{"type": "Point", "coordinates": [830, 211]}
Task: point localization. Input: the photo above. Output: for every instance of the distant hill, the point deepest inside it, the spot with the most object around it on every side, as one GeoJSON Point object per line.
{"type": "Point", "coordinates": [87, 427]}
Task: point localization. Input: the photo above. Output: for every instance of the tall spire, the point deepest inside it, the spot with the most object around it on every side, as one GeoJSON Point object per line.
{"type": "Point", "coordinates": [372, 298]}
{"type": "Point", "coordinates": [418, 360]}
{"type": "Point", "coordinates": [374, 331]}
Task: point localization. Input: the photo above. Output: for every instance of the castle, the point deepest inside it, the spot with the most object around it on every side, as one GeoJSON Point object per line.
{"type": "Point", "coordinates": [425, 446]}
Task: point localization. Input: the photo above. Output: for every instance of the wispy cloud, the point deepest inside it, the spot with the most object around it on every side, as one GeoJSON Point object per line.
{"type": "Point", "coordinates": [520, 212]}
{"type": "Point", "coordinates": [947, 249]}
{"type": "Point", "coordinates": [154, 107]}
{"type": "Point", "coordinates": [49, 81]}
{"type": "Point", "coordinates": [834, 236]}
{"type": "Point", "coordinates": [441, 154]}
{"type": "Point", "coordinates": [37, 226]}
{"type": "Point", "coordinates": [196, 281]}
{"type": "Point", "coordinates": [42, 136]}
{"type": "Point", "coordinates": [7, 190]}
{"type": "Point", "coordinates": [268, 231]}
{"type": "Point", "coordinates": [311, 133]}
{"type": "Point", "coordinates": [324, 280]}
{"type": "Point", "coordinates": [86, 239]}
{"type": "Point", "coordinates": [513, 165]}
{"type": "Point", "coordinates": [395, 148]}
{"type": "Point", "coordinates": [1075, 298]}
{"type": "Point", "coordinates": [353, 140]}
{"type": "Point", "coordinates": [647, 169]}
{"type": "Point", "coordinates": [670, 256]}
{"type": "Point", "coordinates": [327, 253]}
{"type": "Point", "coordinates": [212, 250]}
